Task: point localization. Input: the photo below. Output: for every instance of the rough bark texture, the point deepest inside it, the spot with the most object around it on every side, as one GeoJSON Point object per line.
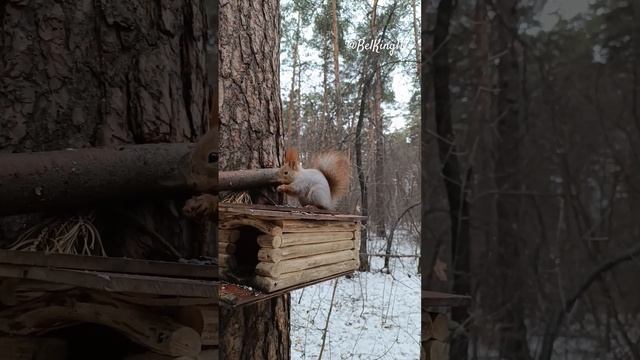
{"type": "Point", "coordinates": [251, 137]}
{"type": "Point", "coordinates": [91, 73]}
{"type": "Point", "coordinates": [249, 66]}
{"type": "Point", "coordinates": [102, 72]}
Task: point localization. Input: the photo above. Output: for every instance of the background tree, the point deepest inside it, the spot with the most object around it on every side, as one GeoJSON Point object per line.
{"type": "Point", "coordinates": [542, 111]}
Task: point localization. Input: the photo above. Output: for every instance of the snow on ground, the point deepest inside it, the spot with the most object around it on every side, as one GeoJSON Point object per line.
{"type": "Point", "coordinates": [375, 315]}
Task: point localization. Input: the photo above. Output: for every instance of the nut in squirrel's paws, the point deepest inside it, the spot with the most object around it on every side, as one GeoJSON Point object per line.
{"type": "Point", "coordinates": [282, 188]}
{"type": "Point", "coordinates": [202, 206]}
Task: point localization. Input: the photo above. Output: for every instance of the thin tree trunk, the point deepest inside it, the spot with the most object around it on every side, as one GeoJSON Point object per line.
{"type": "Point", "coordinates": [364, 200]}
{"type": "Point", "coordinates": [416, 36]}
{"type": "Point", "coordinates": [454, 179]}
{"type": "Point", "coordinates": [378, 183]}
{"type": "Point", "coordinates": [250, 110]}
{"type": "Point", "coordinates": [292, 104]}
{"type": "Point", "coordinates": [336, 66]}
{"type": "Point", "coordinates": [511, 324]}
{"type": "Point", "coordinates": [327, 131]}
{"type": "Point", "coordinates": [299, 117]}
{"type": "Point", "coordinates": [425, 246]}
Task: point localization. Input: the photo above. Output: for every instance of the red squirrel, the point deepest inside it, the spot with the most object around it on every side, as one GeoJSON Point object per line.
{"type": "Point", "coordinates": [322, 185]}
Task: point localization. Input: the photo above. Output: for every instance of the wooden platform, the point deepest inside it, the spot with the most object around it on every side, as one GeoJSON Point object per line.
{"type": "Point", "coordinates": [435, 298]}
{"type": "Point", "coordinates": [275, 248]}
{"type": "Point", "coordinates": [436, 333]}
{"type": "Point", "coordinates": [168, 308]}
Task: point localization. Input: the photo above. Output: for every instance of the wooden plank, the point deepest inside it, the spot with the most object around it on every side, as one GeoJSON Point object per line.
{"type": "Point", "coordinates": [296, 226]}
{"type": "Point", "coordinates": [356, 239]}
{"type": "Point", "coordinates": [32, 348]}
{"type": "Point", "coordinates": [209, 354]}
{"type": "Point", "coordinates": [226, 248]}
{"type": "Point", "coordinates": [227, 261]}
{"type": "Point", "coordinates": [314, 238]}
{"type": "Point", "coordinates": [151, 330]}
{"type": "Point", "coordinates": [16, 291]}
{"type": "Point", "coordinates": [291, 252]}
{"type": "Point", "coordinates": [204, 320]}
{"type": "Point", "coordinates": [268, 284]}
{"type": "Point", "coordinates": [434, 298]}
{"type": "Point", "coordinates": [234, 222]}
{"type": "Point", "coordinates": [293, 239]}
{"type": "Point", "coordinates": [230, 236]}
{"type": "Point", "coordinates": [114, 282]}
{"type": "Point", "coordinates": [282, 212]}
{"type": "Point", "coordinates": [436, 350]}
{"type": "Point", "coordinates": [233, 295]}
{"type": "Point", "coordinates": [115, 265]}
{"type": "Point", "coordinates": [302, 265]}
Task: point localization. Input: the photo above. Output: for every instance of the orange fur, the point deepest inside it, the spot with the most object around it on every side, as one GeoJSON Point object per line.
{"type": "Point", "coordinates": [336, 167]}
{"type": "Point", "coordinates": [291, 158]}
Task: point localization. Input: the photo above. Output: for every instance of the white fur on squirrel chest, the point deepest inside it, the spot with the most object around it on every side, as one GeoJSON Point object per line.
{"type": "Point", "coordinates": [274, 248]}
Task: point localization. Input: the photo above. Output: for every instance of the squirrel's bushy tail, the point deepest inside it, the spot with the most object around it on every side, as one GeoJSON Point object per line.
{"type": "Point", "coordinates": [336, 167]}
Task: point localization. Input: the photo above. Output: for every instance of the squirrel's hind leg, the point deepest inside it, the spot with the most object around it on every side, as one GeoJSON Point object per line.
{"type": "Point", "coordinates": [319, 197]}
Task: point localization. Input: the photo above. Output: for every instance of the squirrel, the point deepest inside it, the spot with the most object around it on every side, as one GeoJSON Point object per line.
{"type": "Point", "coordinates": [322, 185]}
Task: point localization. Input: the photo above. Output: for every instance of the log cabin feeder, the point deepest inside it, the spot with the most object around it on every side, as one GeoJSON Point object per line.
{"type": "Point", "coordinates": [162, 308]}
{"type": "Point", "coordinates": [436, 327]}
{"type": "Point", "coordinates": [274, 248]}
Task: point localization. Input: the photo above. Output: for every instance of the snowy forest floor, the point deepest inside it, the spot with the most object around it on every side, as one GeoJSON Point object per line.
{"type": "Point", "coordinates": [375, 315]}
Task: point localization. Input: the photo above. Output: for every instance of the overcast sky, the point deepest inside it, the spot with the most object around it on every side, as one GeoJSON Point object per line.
{"type": "Point", "coordinates": [401, 82]}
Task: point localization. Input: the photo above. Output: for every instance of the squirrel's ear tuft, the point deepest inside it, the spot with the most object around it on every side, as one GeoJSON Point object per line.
{"type": "Point", "coordinates": [291, 158]}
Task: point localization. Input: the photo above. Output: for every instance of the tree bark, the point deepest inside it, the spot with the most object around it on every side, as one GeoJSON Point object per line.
{"type": "Point", "coordinates": [291, 121]}
{"type": "Point", "coordinates": [250, 112]}
{"type": "Point", "coordinates": [364, 199]}
{"type": "Point", "coordinates": [87, 73]}
{"type": "Point", "coordinates": [101, 73]}
{"type": "Point", "coordinates": [511, 324]}
{"type": "Point", "coordinates": [378, 183]}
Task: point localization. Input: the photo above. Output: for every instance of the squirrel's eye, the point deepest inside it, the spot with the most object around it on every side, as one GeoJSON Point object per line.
{"type": "Point", "coordinates": [286, 173]}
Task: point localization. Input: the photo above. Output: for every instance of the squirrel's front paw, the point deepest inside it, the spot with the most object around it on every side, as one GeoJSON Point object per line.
{"type": "Point", "coordinates": [282, 188]}
{"type": "Point", "coordinates": [201, 207]}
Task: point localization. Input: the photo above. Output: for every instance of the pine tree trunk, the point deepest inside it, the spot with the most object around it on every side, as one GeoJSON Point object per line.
{"type": "Point", "coordinates": [251, 137]}
{"type": "Point", "coordinates": [325, 120]}
{"type": "Point", "coordinates": [291, 107]}
{"type": "Point", "coordinates": [98, 73]}
{"type": "Point", "coordinates": [362, 181]}
{"type": "Point", "coordinates": [378, 184]}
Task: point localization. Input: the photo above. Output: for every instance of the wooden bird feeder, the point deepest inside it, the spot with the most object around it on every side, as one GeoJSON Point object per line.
{"type": "Point", "coordinates": [277, 247]}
